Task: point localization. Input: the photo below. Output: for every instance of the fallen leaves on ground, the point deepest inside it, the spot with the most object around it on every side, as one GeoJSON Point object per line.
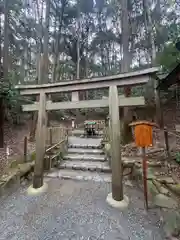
{"type": "Point", "coordinates": [14, 141]}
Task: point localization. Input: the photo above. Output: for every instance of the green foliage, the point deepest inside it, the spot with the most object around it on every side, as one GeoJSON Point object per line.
{"type": "Point", "coordinates": [169, 58]}
{"type": "Point", "coordinates": [178, 157]}
{"type": "Point", "coordinates": [8, 92]}
{"type": "Point", "coordinates": [12, 98]}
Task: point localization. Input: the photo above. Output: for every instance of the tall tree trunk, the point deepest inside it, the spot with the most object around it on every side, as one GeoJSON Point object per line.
{"type": "Point", "coordinates": [78, 33]}
{"type": "Point", "coordinates": [38, 68]}
{"type": "Point", "coordinates": [41, 119]}
{"type": "Point", "coordinates": [57, 43]}
{"type": "Point", "coordinates": [22, 69]}
{"type": "Point", "coordinates": [5, 68]}
{"type": "Point", "coordinates": [159, 111]}
{"type": "Point", "coordinates": [125, 67]}
{"type": "Point", "coordinates": [55, 52]}
{"type": "Point", "coordinates": [150, 33]}
{"type": "Point", "coordinates": [125, 36]}
{"type": "Point", "coordinates": [1, 122]}
{"type": "Point", "coordinates": [78, 41]}
{"type": "Point", "coordinates": [1, 99]}
{"type": "Point", "coordinates": [42, 66]}
{"type": "Point", "coordinates": [45, 47]}
{"type": "Point", "coordinates": [6, 39]}
{"type": "Point", "coordinates": [45, 72]}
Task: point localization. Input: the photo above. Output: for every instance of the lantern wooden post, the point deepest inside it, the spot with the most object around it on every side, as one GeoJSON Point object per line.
{"type": "Point", "coordinates": [143, 139]}
{"type": "Point", "coordinates": [145, 167]}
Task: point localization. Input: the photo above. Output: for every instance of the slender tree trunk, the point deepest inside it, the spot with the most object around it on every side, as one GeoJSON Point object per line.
{"type": "Point", "coordinates": [42, 123]}
{"type": "Point", "coordinates": [150, 33]}
{"type": "Point", "coordinates": [126, 131]}
{"type": "Point", "coordinates": [6, 39]}
{"type": "Point", "coordinates": [1, 99]}
{"type": "Point", "coordinates": [45, 47]}
{"type": "Point", "coordinates": [42, 67]}
{"type": "Point", "coordinates": [22, 68]}
{"type": "Point", "coordinates": [78, 58]}
{"type": "Point", "coordinates": [5, 68]}
{"type": "Point", "coordinates": [1, 123]}
{"type": "Point", "coordinates": [78, 32]}
{"type": "Point", "coordinates": [125, 37]}
{"type": "Point", "coordinates": [55, 53]}
{"type": "Point", "coordinates": [57, 44]}
{"type": "Point", "coordinates": [38, 69]}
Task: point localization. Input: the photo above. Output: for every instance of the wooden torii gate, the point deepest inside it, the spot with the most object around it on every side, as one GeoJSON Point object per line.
{"type": "Point", "coordinates": [114, 101]}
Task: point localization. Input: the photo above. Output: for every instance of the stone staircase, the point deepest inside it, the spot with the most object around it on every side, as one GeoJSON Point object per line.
{"type": "Point", "coordinates": [85, 160]}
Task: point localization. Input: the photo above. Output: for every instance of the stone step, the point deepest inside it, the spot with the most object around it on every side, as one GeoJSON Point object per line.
{"type": "Point", "coordinates": [86, 157]}
{"type": "Point", "coordinates": [86, 166]}
{"type": "Point", "coordinates": [84, 146]}
{"type": "Point", "coordinates": [80, 132]}
{"type": "Point", "coordinates": [85, 151]}
{"type": "Point", "coordinates": [79, 175]}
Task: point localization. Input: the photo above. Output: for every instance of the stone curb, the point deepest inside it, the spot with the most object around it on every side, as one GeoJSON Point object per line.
{"type": "Point", "coordinates": [83, 146]}
{"type": "Point", "coordinates": [13, 180]}
{"type": "Point", "coordinates": [82, 158]}
{"type": "Point", "coordinates": [84, 168]}
{"type": "Point", "coordinates": [85, 178]}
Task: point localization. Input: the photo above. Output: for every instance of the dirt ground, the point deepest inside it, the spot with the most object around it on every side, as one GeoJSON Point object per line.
{"type": "Point", "coordinates": [14, 141]}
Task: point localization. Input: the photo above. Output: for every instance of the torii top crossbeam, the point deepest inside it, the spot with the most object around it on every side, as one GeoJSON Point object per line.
{"type": "Point", "coordinates": [123, 79]}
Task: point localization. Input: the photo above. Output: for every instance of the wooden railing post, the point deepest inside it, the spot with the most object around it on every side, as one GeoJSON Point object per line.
{"type": "Point", "coordinates": [166, 142]}
{"type": "Point", "coordinates": [67, 135]}
{"type": "Point", "coordinates": [40, 142]}
{"type": "Point", "coordinates": [50, 137]}
{"type": "Point", "coordinates": [25, 149]}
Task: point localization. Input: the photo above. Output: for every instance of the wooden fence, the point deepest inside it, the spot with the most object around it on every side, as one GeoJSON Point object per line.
{"type": "Point", "coordinates": [54, 153]}
{"type": "Point", "coordinates": [55, 135]}
{"type": "Point", "coordinates": [106, 137]}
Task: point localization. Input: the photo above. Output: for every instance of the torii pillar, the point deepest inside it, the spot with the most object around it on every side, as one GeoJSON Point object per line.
{"type": "Point", "coordinates": [116, 198]}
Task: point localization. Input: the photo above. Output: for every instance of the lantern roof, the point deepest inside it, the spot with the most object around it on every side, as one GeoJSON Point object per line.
{"type": "Point", "coordinates": [143, 123]}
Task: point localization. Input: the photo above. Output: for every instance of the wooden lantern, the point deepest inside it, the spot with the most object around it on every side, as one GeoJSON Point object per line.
{"type": "Point", "coordinates": [144, 138]}
{"type": "Point", "coordinates": [143, 131]}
